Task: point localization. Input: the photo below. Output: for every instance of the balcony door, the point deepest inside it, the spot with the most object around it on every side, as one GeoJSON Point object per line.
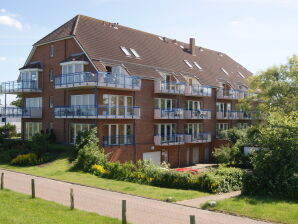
{"type": "Point", "coordinates": [224, 108]}
{"type": "Point", "coordinates": [166, 131]}
{"type": "Point", "coordinates": [194, 129]}
{"type": "Point", "coordinates": [83, 105]}
{"type": "Point", "coordinates": [196, 155]}
{"type": "Point", "coordinates": [118, 105]}
{"type": "Point", "coordinates": [193, 105]}
{"type": "Point", "coordinates": [118, 134]}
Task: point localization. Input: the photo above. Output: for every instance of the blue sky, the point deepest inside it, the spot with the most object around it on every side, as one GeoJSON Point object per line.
{"type": "Point", "coordinates": [256, 33]}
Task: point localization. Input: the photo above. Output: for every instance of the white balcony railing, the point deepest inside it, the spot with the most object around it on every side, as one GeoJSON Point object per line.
{"type": "Point", "coordinates": [197, 90]}
{"type": "Point", "coordinates": [169, 87]}
{"type": "Point", "coordinates": [230, 94]}
{"type": "Point", "coordinates": [197, 114]}
{"type": "Point", "coordinates": [174, 113]}
{"type": "Point", "coordinates": [197, 138]}
{"type": "Point", "coordinates": [174, 139]}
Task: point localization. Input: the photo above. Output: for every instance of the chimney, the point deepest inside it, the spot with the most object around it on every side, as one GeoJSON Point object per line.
{"type": "Point", "coordinates": [192, 46]}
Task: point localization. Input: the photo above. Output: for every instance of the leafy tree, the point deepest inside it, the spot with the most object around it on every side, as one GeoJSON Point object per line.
{"type": "Point", "coordinates": [17, 102]}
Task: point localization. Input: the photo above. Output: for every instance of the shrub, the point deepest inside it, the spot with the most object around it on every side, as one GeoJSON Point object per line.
{"type": "Point", "coordinates": [86, 137]}
{"type": "Point", "coordinates": [40, 144]}
{"type": "Point", "coordinates": [29, 159]}
{"type": "Point", "coordinates": [98, 170]}
{"type": "Point", "coordinates": [88, 156]}
{"type": "Point", "coordinates": [9, 131]}
{"type": "Point", "coordinates": [227, 155]}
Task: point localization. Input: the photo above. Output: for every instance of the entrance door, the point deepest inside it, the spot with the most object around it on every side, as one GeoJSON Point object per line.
{"type": "Point", "coordinates": [153, 156]}
{"type": "Point", "coordinates": [206, 154]}
{"type": "Point", "coordinates": [195, 155]}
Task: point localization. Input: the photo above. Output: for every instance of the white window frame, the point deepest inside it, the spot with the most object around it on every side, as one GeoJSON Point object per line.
{"type": "Point", "coordinates": [223, 107]}
{"type": "Point", "coordinates": [191, 104]}
{"type": "Point", "coordinates": [221, 127]}
{"type": "Point", "coordinates": [125, 51]}
{"type": "Point", "coordinates": [188, 63]}
{"type": "Point", "coordinates": [197, 65]}
{"type": "Point", "coordinates": [242, 76]}
{"type": "Point", "coordinates": [224, 71]}
{"type": "Point", "coordinates": [110, 134]}
{"type": "Point", "coordinates": [80, 100]}
{"type": "Point", "coordinates": [192, 127]}
{"type": "Point", "coordinates": [33, 102]}
{"type": "Point", "coordinates": [166, 100]}
{"type": "Point", "coordinates": [51, 102]}
{"type": "Point", "coordinates": [135, 53]}
{"type": "Point", "coordinates": [30, 133]}
{"type": "Point", "coordinates": [110, 96]}
{"type": "Point", "coordinates": [51, 51]}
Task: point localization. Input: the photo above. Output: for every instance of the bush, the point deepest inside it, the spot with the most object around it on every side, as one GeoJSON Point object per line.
{"type": "Point", "coordinates": [9, 131]}
{"type": "Point", "coordinates": [226, 154]}
{"type": "Point", "coordinates": [86, 137]}
{"type": "Point", "coordinates": [88, 156]}
{"type": "Point", "coordinates": [29, 159]}
{"type": "Point", "coordinates": [39, 144]}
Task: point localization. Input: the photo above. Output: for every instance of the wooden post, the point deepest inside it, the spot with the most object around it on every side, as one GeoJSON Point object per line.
{"type": "Point", "coordinates": [32, 188]}
{"type": "Point", "coordinates": [71, 199]}
{"type": "Point", "coordinates": [2, 181]}
{"type": "Point", "coordinates": [192, 219]}
{"type": "Point", "coordinates": [123, 211]}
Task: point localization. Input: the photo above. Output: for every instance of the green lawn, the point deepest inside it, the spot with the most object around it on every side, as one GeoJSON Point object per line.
{"type": "Point", "coordinates": [60, 170]}
{"type": "Point", "coordinates": [275, 210]}
{"type": "Point", "coordinates": [16, 208]}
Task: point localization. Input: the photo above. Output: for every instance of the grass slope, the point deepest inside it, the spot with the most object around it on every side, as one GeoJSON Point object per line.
{"type": "Point", "coordinates": [16, 208]}
{"type": "Point", "coordinates": [269, 209]}
{"type": "Point", "coordinates": [60, 170]}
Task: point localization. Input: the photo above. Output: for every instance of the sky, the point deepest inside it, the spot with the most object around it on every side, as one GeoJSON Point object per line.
{"type": "Point", "coordinates": [256, 33]}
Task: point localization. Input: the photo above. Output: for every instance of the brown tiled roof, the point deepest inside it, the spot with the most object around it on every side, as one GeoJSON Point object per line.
{"type": "Point", "coordinates": [102, 40]}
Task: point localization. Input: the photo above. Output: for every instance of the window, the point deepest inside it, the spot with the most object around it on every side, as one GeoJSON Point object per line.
{"type": "Point", "coordinates": [197, 65]}
{"type": "Point", "coordinates": [164, 103]}
{"type": "Point", "coordinates": [242, 125]}
{"type": "Point", "coordinates": [117, 105]}
{"type": "Point", "coordinates": [33, 102]}
{"type": "Point", "coordinates": [29, 75]}
{"type": "Point", "coordinates": [135, 53]}
{"type": "Point", "coordinates": [51, 51]}
{"type": "Point", "coordinates": [165, 130]}
{"type": "Point", "coordinates": [118, 134]}
{"type": "Point", "coordinates": [84, 99]}
{"type": "Point", "coordinates": [126, 52]}
{"type": "Point", "coordinates": [193, 105]}
{"type": "Point", "coordinates": [75, 128]}
{"type": "Point", "coordinates": [51, 77]}
{"type": "Point", "coordinates": [51, 104]}
{"type": "Point", "coordinates": [241, 75]}
{"type": "Point", "coordinates": [32, 128]}
{"type": "Point", "coordinates": [188, 64]}
{"type": "Point", "coordinates": [223, 107]}
{"type": "Point", "coordinates": [51, 126]}
{"type": "Point", "coordinates": [193, 129]}
{"type": "Point", "coordinates": [221, 127]}
{"type": "Point", "coordinates": [224, 71]}
{"type": "Point", "coordinates": [72, 68]}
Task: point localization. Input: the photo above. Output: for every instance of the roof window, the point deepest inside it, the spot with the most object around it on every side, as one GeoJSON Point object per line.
{"type": "Point", "coordinates": [197, 65]}
{"type": "Point", "coordinates": [126, 52]}
{"type": "Point", "coordinates": [135, 53]}
{"type": "Point", "coordinates": [188, 64]}
{"type": "Point", "coordinates": [241, 75]}
{"type": "Point", "coordinates": [224, 71]}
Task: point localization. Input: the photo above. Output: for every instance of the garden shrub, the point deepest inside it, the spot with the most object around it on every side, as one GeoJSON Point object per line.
{"type": "Point", "coordinates": [39, 144]}
{"type": "Point", "coordinates": [29, 159]}
{"type": "Point", "coordinates": [9, 131]}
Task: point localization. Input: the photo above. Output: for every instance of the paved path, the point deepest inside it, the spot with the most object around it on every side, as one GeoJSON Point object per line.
{"type": "Point", "coordinates": [139, 210]}
{"type": "Point", "coordinates": [197, 201]}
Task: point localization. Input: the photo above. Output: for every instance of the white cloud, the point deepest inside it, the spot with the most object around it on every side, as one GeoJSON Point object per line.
{"type": "Point", "coordinates": [11, 22]}
{"type": "Point", "coordinates": [3, 11]}
{"type": "Point", "coordinates": [3, 58]}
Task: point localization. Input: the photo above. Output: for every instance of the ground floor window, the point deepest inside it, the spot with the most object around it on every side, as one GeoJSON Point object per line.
{"type": "Point", "coordinates": [221, 127]}
{"type": "Point", "coordinates": [118, 134]}
{"type": "Point", "coordinates": [32, 128]}
{"type": "Point", "coordinates": [242, 125]}
{"type": "Point", "coordinates": [75, 128]}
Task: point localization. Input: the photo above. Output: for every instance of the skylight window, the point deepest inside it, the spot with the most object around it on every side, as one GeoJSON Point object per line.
{"type": "Point", "coordinates": [241, 75]}
{"type": "Point", "coordinates": [135, 53]}
{"type": "Point", "coordinates": [160, 38]}
{"type": "Point", "coordinates": [224, 71]}
{"type": "Point", "coordinates": [197, 65]}
{"type": "Point", "coordinates": [126, 52]}
{"type": "Point", "coordinates": [182, 46]}
{"type": "Point", "coordinates": [188, 64]}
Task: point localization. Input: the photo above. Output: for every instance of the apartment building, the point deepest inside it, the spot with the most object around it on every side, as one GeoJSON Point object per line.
{"type": "Point", "coordinates": [150, 97]}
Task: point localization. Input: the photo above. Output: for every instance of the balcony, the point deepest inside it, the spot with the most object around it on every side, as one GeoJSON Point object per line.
{"type": "Point", "coordinates": [174, 113]}
{"type": "Point", "coordinates": [231, 94]}
{"type": "Point", "coordinates": [169, 87]}
{"type": "Point", "coordinates": [197, 114]}
{"type": "Point", "coordinates": [27, 112]}
{"type": "Point", "coordinates": [174, 139]}
{"type": "Point", "coordinates": [197, 90]}
{"type": "Point", "coordinates": [118, 140]}
{"type": "Point", "coordinates": [17, 87]}
{"type": "Point", "coordinates": [97, 112]}
{"type": "Point", "coordinates": [98, 79]}
{"type": "Point", "coordinates": [198, 138]}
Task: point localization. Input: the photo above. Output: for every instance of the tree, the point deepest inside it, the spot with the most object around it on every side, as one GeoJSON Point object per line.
{"type": "Point", "coordinates": [17, 102]}
{"type": "Point", "coordinates": [276, 88]}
